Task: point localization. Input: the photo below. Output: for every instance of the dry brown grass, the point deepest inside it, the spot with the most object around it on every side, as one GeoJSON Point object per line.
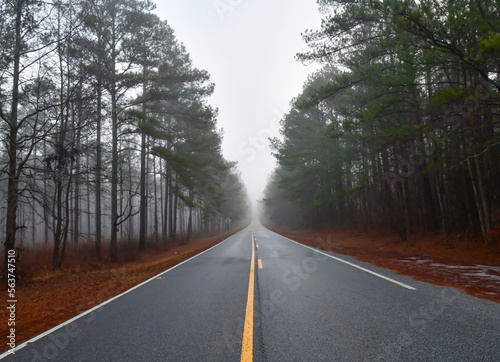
{"type": "Point", "coordinates": [36, 263]}
{"type": "Point", "coordinates": [460, 248]}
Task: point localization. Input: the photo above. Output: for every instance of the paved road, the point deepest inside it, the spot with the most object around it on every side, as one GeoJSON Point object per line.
{"type": "Point", "coordinates": [307, 306]}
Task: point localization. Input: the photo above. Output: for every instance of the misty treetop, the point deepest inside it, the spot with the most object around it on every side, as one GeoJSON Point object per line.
{"type": "Point", "coordinates": [400, 129]}
{"type": "Point", "coordinates": [106, 130]}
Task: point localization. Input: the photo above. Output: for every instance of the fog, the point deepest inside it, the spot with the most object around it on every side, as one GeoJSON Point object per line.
{"type": "Point", "coordinates": [249, 48]}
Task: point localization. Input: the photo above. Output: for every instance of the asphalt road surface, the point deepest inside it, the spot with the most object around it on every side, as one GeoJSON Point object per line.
{"type": "Point", "coordinates": [295, 304]}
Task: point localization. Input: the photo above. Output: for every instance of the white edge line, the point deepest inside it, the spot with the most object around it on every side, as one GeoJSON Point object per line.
{"type": "Point", "coordinates": [349, 263]}
{"type": "Point", "coordinates": [69, 321]}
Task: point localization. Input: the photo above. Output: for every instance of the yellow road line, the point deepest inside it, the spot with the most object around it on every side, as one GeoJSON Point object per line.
{"type": "Point", "coordinates": [260, 263]}
{"type": "Point", "coordinates": [247, 344]}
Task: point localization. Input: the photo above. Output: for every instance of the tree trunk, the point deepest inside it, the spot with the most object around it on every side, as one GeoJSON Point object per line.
{"type": "Point", "coordinates": [477, 196]}
{"type": "Point", "coordinates": [33, 223]}
{"type": "Point", "coordinates": [439, 188]}
{"type": "Point", "coordinates": [57, 219]}
{"type": "Point", "coordinates": [13, 176]}
{"type": "Point", "coordinates": [170, 205]}
{"type": "Point", "coordinates": [131, 196]}
{"type": "Point", "coordinates": [98, 171]}
{"type": "Point", "coordinates": [89, 192]}
{"type": "Point", "coordinates": [155, 192]}
{"type": "Point", "coordinates": [76, 209]}
{"type": "Point", "coordinates": [114, 180]}
{"type": "Point", "coordinates": [143, 202]}
{"type": "Point", "coordinates": [113, 252]}
{"type": "Point", "coordinates": [162, 200]}
{"type": "Point", "coordinates": [165, 205]}
{"type": "Point", "coordinates": [176, 200]}
{"type": "Point", "coordinates": [46, 214]}
{"type": "Point", "coordinates": [66, 225]}
{"type": "Point", "coordinates": [484, 200]}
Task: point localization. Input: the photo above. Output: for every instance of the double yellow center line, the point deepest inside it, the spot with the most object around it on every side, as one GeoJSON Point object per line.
{"type": "Point", "coordinates": [247, 345]}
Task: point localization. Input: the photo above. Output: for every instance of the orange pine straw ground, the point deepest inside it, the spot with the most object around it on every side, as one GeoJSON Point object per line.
{"type": "Point", "coordinates": [466, 264]}
{"type": "Point", "coordinates": [47, 298]}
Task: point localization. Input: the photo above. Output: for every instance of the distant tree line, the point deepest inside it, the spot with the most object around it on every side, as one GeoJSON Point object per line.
{"type": "Point", "coordinates": [400, 128]}
{"type": "Point", "coordinates": [106, 131]}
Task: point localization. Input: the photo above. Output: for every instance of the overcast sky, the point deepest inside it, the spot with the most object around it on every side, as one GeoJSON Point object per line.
{"type": "Point", "coordinates": [248, 47]}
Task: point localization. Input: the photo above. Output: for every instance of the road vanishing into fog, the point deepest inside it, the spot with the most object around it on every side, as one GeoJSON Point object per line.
{"type": "Point", "coordinates": [271, 299]}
